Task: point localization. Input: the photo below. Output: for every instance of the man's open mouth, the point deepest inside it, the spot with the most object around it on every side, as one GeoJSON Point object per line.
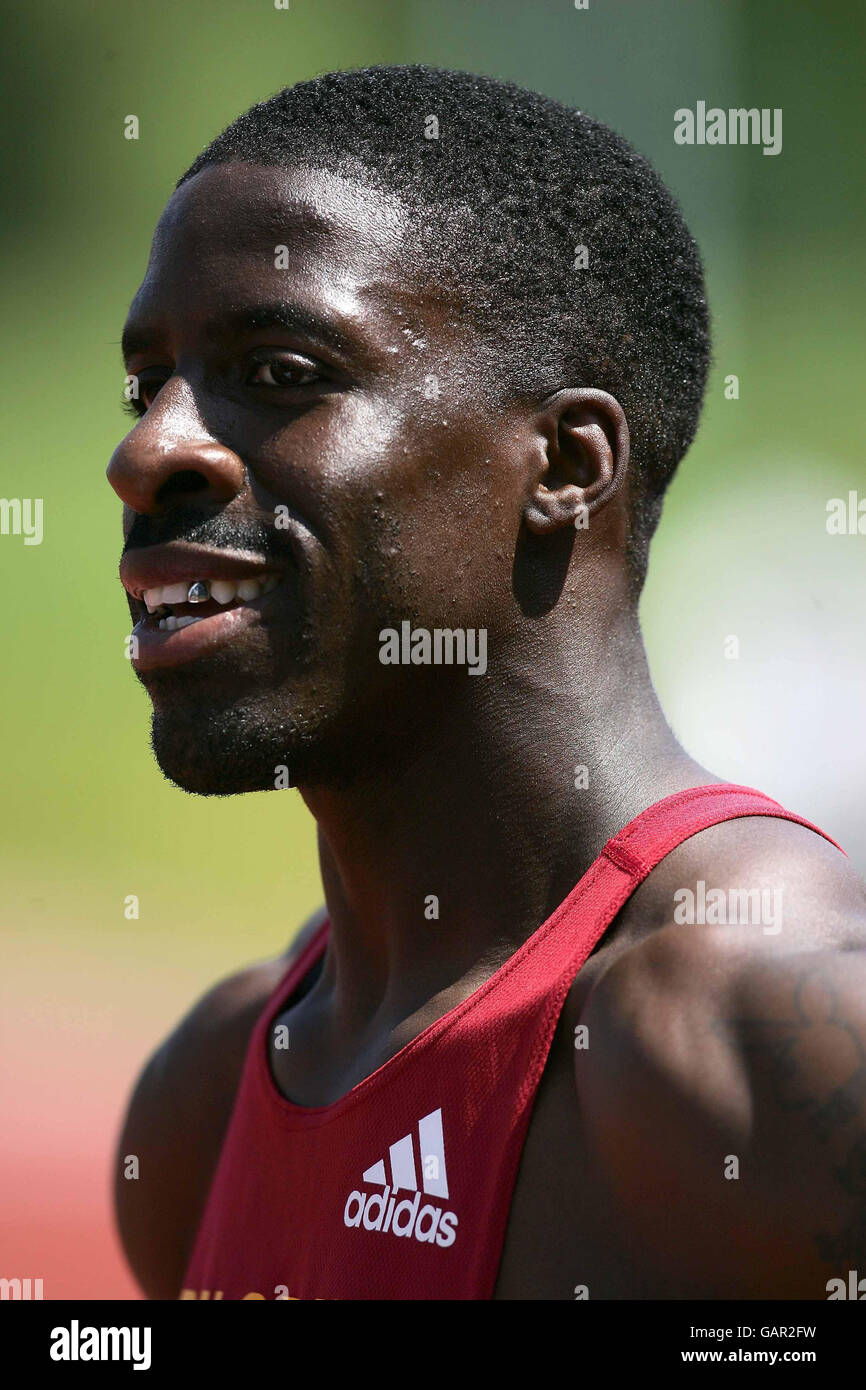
{"type": "Point", "coordinates": [187, 601]}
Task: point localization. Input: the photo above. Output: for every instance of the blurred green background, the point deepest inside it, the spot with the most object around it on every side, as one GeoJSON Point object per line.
{"type": "Point", "coordinates": [743, 549]}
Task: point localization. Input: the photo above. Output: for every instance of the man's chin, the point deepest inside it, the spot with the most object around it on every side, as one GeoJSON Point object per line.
{"type": "Point", "coordinates": [246, 747]}
{"type": "Point", "coordinates": [209, 748]}
{"type": "Point", "coordinates": [195, 771]}
{"type": "Point", "coordinates": [222, 755]}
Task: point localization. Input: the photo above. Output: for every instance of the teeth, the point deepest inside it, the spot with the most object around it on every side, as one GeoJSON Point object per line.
{"type": "Point", "coordinates": [171, 623]}
{"type": "Point", "coordinates": [175, 593]}
{"type": "Point", "coordinates": [223, 591]}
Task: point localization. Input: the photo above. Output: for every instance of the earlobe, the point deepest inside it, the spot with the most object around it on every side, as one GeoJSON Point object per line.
{"type": "Point", "coordinates": [551, 509]}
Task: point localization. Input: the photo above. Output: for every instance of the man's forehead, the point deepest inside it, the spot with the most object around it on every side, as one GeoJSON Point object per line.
{"type": "Point", "coordinates": [237, 227]}
{"type": "Point", "coordinates": [250, 209]}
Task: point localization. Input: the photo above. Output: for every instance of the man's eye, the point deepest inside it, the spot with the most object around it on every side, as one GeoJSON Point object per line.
{"type": "Point", "coordinates": [283, 369]}
{"type": "Point", "coordinates": [140, 389]}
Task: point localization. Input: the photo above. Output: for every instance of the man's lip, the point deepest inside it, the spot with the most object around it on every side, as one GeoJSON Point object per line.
{"type": "Point", "coordinates": [153, 566]}
{"type": "Point", "coordinates": [156, 649]}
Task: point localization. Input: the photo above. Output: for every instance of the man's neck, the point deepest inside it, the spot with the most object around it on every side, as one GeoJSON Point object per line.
{"type": "Point", "coordinates": [438, 869]}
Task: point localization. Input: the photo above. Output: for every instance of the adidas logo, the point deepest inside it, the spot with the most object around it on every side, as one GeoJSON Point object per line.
{"type": "Point", "coordinates": [381, 1211]}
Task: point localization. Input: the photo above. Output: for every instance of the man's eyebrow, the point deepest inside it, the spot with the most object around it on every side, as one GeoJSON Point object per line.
{"type": "Point", "coordinates": [279, 314]}
{"type": "Point", "coordinates": [233, 322]}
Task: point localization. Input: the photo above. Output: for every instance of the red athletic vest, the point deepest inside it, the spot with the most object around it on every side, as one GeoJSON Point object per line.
{"type": "Point", "coordinates": [402, 1189]}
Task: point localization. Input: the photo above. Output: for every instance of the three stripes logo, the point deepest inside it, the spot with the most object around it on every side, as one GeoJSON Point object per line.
{"type": "Point", "coordinates": [381, 1211]}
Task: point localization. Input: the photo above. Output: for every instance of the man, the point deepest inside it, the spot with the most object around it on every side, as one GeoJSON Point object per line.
{"type": "Point", "coordinates": [417, 354]}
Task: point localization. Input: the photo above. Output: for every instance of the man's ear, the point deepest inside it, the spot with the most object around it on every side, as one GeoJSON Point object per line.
{"type": "Point", "coordinates": [584, 436]}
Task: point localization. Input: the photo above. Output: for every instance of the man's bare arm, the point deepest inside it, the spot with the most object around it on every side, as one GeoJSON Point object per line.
{"type": "Point", "coordinates": [177, 1118]}
{"type": "Point", "coordinates": [725, 1089]}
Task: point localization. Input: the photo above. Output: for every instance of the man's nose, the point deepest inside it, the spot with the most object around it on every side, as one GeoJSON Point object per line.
{"type": "Point", "coordinates": [169, 457]}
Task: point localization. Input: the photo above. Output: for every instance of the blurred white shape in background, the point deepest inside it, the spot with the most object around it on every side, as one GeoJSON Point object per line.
{"type": "Point", "coordinates": [781, 706]}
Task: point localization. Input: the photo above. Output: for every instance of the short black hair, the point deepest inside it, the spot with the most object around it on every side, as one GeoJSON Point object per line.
{"type": "Point", "coordinates": [514, 184]}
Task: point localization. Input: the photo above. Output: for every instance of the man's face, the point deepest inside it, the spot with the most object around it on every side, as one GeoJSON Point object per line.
{"type": "Point", "coordinates": [321, 448]}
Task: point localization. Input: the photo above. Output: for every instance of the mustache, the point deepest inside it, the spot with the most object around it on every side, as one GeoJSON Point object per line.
{"type": "Point", "coordinates": [219, 532]}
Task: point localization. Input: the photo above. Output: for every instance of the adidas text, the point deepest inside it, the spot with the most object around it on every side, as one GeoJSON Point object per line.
{"type": "Point", "coordinates": [380, 1211]}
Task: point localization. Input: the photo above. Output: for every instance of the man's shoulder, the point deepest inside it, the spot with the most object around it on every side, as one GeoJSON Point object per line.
{"type": "Point", "coordinates": [217, 1028]}
{"type": "Point", "coordinates": [729, 1042]}
{"type": "Point", "coordinates": [177, 1118]}
{"type": "Point", "coordinates": [734, 903]}
{"type": "Point", "coordinates": [804, 873]}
